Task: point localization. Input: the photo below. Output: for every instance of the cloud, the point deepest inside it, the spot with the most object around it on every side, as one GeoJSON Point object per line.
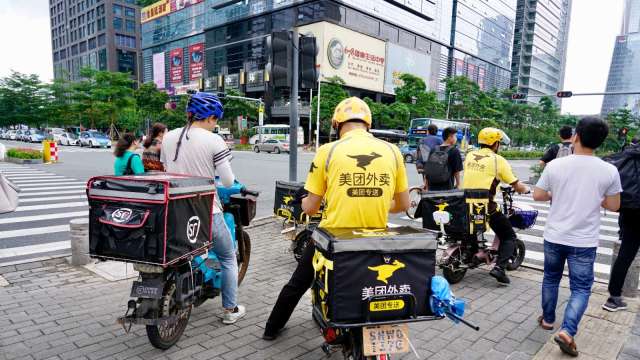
{"type": "Point", "coordinates": [26, 38]}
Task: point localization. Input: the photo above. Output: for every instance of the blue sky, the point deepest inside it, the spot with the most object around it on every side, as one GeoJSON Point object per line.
{"type": "Point", "coordinates": [26, 45]}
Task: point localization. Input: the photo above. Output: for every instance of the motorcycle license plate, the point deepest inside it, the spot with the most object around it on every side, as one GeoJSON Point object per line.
{"type": "Point", "coordinates": [148, 289]}
{"type": "Point", "coordinates": [385, 339]}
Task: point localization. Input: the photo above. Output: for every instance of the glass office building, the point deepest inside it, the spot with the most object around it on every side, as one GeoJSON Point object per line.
{"type": "Point", "coordinates": [481, 41]}
{"type": "Point", "coordinates": [100, 34]}
{"type": "Point", "coordinates": [540, 46]}
{"type": "Point", "coordinates": [624, 72]}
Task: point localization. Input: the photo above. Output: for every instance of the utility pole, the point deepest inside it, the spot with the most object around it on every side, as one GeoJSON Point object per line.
{"type": "Point", "coordinates": [310, 111]}
{"type": "Point", "coordinates": [293, 111]}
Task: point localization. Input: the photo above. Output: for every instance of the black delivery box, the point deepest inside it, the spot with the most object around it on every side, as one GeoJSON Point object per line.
{"type": "Point", "coordinates": [155, 219]}
{"type": "Point", "coordinates": [285, 194]}
{"type": "Point", "coordinates": [368, 275]}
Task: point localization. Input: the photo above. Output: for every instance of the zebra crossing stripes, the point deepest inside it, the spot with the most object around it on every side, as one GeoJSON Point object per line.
{"type": "Point", "coordinates": [39, 227]}
{"type": "Point", "coordinates": [534, 240]}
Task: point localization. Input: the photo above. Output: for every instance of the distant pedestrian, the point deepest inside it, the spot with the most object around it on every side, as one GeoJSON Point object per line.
{"type": "Point", "coordinates": [425, 146]}
{"type": "Point", "coordinates": [445, 163]}
{"type": "Point", "coordinates": [564, 148]}
{"type": "Point", "coordinates": [127, 161]}
{"type": "Point", "coordinates": [579, 184]}
{"type": "Point", "coordinates": [628, 164]}
{"type": "Point", "coordinates": [152, 147]}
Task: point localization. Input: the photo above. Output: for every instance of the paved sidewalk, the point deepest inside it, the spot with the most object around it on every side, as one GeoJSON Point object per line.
{"type": "Point", "coordinates": [55, 311]}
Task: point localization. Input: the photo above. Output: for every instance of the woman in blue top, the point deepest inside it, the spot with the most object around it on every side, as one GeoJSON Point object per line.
{"type": "Point", "coordinates": [127, 162]}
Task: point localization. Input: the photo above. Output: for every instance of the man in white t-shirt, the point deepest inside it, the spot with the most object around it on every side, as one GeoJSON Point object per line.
{"type": "Point", "coordinates": [196, 150]}
{"type": "Point", "coordinates": [579, 185]}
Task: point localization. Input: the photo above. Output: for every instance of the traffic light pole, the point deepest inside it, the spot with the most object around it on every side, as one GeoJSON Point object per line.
{"type": "Point", "coordinates": [293, 112]}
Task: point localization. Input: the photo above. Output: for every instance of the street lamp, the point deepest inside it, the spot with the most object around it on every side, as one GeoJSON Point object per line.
{"type": "Point", "coordinates": [449, 102]}
{"type": "Point", "coordinates": [318, 113]}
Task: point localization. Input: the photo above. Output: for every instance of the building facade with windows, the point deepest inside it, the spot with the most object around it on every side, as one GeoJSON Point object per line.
{"type": "Point", "coordinates": [540, 47]}
{"type": "Point", "coordinates": [100, 34]}
{"type": "Point", "coordinates": [227, 43]}
{"type": "Point", "coordinates": [624, 72]}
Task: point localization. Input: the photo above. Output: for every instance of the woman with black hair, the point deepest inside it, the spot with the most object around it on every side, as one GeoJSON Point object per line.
{"type": "Point", "coordinates": [127, 161]}
{"type": "Point", "coordinates": [152, 146]}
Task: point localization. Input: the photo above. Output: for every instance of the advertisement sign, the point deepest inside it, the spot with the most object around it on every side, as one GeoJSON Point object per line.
{"type": "Point", "coordinates": [402, 60]}
{"type": "Point", "coordinates": [196, 61]}
{"type": "Point", "coordinates": [164, 7]}
{"type": "Point", "coordinates": [232, 81]}
{"type": "Point", "coordinates": [183, 89]}
{"type": "Point", "coordinates": [356, 58]}
{"type": "Point", "coordinates": [175, 58]}
{"type": "Point", "coordinates": [158, 70]}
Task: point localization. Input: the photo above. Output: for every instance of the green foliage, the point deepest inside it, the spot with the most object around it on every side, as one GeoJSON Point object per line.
{"type": "Point", "coordinates": [617, 120]}
{"type": "Point", "coordinates": [332, 92]}
{"type": "Point", "coordinates": [175, 118]}
{"type": "Point", "coordinates": [22, 98]}
{"type": "Point", "coordinates": [235, 107]}
{"type": "Point", "coordinates": [143, 3]}
{"type": "Point", "coordinates": [24, 153]}
{"type": "Point", "coordinates": [150, 101]}
{"type": "Point", "coordinates": [521, 154]}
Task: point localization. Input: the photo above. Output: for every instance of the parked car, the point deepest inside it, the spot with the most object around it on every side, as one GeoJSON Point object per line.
{"type": "Point", "coordinates": [36, 136]}
{"type": "Point", "coordinates": [272, 145]}
{"type": "Point", "coordinates": [22, 135]}
{"type": "Point", "coordinates": [10, 135]}
{"type": "Point", "coordinates": [409, 152]}
{"type": "Point", "coordinates": [94, 139]}
{"type": "Point", "coordinates": [66, 138]}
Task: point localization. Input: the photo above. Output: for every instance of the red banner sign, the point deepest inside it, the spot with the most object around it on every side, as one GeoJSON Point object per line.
{"type": "Point", "coordinates": [196, 61]}
{"type": "Point", "coordinates": [175, 58]}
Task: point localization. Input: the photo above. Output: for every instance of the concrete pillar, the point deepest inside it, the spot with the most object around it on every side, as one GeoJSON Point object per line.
{"type": "Point", "coordinates": [79, 241]}
{"type": "Point", "coordinates": [630, 288]}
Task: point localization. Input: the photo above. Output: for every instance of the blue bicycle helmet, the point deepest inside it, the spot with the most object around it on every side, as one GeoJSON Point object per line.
{"type": "Point", "coordinates": [203, 104]}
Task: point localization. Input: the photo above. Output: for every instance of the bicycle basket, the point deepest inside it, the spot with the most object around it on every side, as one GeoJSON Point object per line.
{"type": "Point", "coordinates": [523, 219]}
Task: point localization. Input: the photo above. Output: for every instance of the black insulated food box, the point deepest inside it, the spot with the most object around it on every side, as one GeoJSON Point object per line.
{"type": "Point", "coordinates": [155, 219]}
{"type": "Point", "coordinates": [365, 275]}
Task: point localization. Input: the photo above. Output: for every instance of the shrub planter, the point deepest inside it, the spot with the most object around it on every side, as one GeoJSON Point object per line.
{"type": "Point", "coordinates": [23, 161]}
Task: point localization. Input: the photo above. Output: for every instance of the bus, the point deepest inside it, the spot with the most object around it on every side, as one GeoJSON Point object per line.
{"type": "Point", "coordinates": [274, 131]}
{"type": "Point", "coordinates": [392, 136]}
{"type": "Point", "coordinates": [418, 130]}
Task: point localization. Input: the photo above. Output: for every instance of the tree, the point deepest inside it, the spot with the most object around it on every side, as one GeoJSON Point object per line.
{"type": "Point", "coordinates": [621, 118]}
{"type": "Point", "coordinates": [332, 92]}
{"type": "Point", "coordinates": [143, 3]}
{"type": "Point", "coordinates": [236, 107]}
{"type": "Point", "coordinates": [22, 99]}
{"type": "Point", "coordinates": [421, 103]}
{"type": "Point", "coordinates": [149, 100]}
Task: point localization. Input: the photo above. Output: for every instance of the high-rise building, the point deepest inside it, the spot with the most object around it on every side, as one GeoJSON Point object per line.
{"type": "Point", "coordinates": [624, 72]}
{"type": "Point", "coordinates": [101, 34]}
{"type": "Point", "coordinates": [481, 40]}
{"type": "Point", "coordinates": [539, 47]}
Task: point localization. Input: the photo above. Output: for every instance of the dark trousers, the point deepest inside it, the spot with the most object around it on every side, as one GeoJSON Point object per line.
{"type": "Point", "coordinates": [290, 295]}
{"type": "Point", "coordinates": [504, 231]}
{"type": "Point", "coordinates": [630, 238]}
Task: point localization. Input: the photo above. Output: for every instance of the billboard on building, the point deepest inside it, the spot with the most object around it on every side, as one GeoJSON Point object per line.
{"type": "Point", "coordinates": [158, 70]}
{"type": "Point", "coordinates": [196, 61]}
{"type": "Point", "coordinates": [402, 60]}
{"type": "Point", "coordinates": [164, 7]}
{"type": "Point", "coordinates": [357, 59]}
{"type": "Point", "coordinates": [175, 66]}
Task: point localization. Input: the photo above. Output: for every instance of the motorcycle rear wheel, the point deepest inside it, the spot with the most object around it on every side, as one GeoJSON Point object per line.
{"type": "Point", "coordinates": [303, 239]}
{"type": "Point", "coordinates": [243, 259]}
{"type": "Point", "coordinates": [518, 256]}
{"type": "Point", "coordinates": [164, 337]}
{"type": "Point", "coordinates": [451, 270]}
{"type": "Point", "coordinates": [415, 195]}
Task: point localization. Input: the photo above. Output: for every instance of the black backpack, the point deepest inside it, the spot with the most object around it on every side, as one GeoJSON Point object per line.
{"type": "Point", "coordinates": [436, 168]}
{"type": "Point", "coordinates": [628, 164]}
{"type": "Point", "coordinates": [129, 170]}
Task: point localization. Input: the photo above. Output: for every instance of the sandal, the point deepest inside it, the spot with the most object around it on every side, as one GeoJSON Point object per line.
{"type": "Point", "coordinates": [569, 348]}
{"type": "Point", "coordinates": [542, 324]}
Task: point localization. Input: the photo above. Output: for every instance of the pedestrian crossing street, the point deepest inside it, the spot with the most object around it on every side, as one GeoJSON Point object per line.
{"type": "Point", "coordinates": [39, 227]}
{"type": "Point", "coordinates": [534, 240]}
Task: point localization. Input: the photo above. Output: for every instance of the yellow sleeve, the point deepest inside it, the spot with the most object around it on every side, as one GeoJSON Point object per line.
{"type": "Point", "coordinates": [505, 174]}
{"type": "Point", "coordinates": [402, 184]}
{"type": "Point", "coordinates": [316, 179]}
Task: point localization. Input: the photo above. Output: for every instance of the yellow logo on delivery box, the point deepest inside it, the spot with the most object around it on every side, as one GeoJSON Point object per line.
{"type": "Point", "coordinates": [386, 271]}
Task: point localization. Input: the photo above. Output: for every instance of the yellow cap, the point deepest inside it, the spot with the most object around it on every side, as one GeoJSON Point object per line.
{"type": "Point", "coordinates": [352, 108]}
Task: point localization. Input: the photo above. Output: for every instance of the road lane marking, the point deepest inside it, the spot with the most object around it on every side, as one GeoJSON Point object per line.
{"type": "Point", "coordinates": [56, 187]}
{"type": "Point", "coordinates": [52, 198]}
{"type": "Point", "coordinates": [43, 217]}
{"type": "Point", "coordinates": [40, 179]}
{"type": "Point", "coordinates": [33, 231]}
{"type": "Point", "coordinates": [35, 249]}
{"type": "Point", "coordinates": [51, 206]}
{"type": "Point", "coordinates": [23, 195]}
{"type": "Point", "coordinates": [54, 184]}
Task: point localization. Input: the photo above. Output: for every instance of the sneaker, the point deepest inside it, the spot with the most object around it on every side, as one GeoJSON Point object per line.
{"type": "Point", "coordinates": [614, 303]}
{"type": "Point", "coordinates": [499, 274]}
{"type": "Point", "coordinates": [231, 317]}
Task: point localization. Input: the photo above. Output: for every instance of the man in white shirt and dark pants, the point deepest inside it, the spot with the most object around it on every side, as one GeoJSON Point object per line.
{"type": "Point", "coordinates": [579, 185]}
